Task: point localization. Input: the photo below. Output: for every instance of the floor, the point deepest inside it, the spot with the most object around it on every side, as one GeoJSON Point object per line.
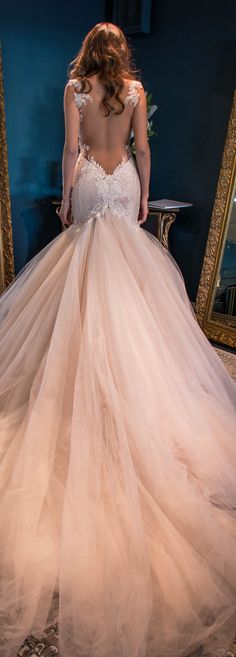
{"type": "Point", "coordinates": [47, 646]}
{"type": "Point", "coordinates": [229, 360]}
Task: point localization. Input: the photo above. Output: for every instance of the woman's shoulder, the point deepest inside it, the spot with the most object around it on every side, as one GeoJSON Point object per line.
{"type": "Point", "coordinates": [73, 83]}
{"type": "Point", "coordinates": [131, 93]}
{"type": "Point", "coordinates": [134, 89]}
{"type": "Point", "coordinates": [131, 79]}
{"type": "Point", "coordinates": [132, 82]}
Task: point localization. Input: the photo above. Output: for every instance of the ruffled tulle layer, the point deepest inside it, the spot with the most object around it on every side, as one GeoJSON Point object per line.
{"type": "Point", "coordinates": [118, 453]}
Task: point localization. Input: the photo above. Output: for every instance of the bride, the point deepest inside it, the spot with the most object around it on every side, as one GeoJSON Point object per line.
{"type": "Point", "coordinates": [118, 419]}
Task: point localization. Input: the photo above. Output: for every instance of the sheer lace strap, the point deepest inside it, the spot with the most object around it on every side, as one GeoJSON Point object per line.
{"type": "Point", "coordinates": [133, 93]}
{"type": "Point", "coordinates": [73, 82]}
{"type": "Point", "coordinates": [80, 98]}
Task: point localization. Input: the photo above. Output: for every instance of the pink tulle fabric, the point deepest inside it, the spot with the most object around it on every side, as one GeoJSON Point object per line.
{"type": "Point", "coordinates": [118, 453]}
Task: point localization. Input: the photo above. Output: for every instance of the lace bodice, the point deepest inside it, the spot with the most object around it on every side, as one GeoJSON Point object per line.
{"type": "Point", "coordinates": [95, 190]}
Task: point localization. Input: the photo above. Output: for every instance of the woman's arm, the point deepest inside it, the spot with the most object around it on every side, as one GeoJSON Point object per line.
{"type": "Point", "coordinates": [139, 126]}
{"type": "Point", "coordinates": [70, 151]}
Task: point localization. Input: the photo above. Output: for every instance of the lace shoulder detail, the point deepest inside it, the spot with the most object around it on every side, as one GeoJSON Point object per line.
{"type": "Point", "coordinates": [73, 82]}
{"type": "Point", "coordinates": [80, 98]}
{"type": "Point", "coordinates": [133, 93]}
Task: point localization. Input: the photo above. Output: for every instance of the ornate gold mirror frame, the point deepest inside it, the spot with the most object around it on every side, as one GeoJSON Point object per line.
{"type": "Point", "coordinates": [6, 243]}
{"type": "Point", "coordinates": [216, 327]}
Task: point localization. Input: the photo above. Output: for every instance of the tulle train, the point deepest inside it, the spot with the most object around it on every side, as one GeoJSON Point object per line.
{"type": "Point", "coordinates": [118, 453]}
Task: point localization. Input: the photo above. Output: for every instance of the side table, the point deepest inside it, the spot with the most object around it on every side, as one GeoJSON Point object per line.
{"type": "Point", "coordinates": [165, 217]}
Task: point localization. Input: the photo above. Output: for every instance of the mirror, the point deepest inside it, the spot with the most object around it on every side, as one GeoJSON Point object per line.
{"type": "Point", "coordinates": [224, 297]}
{"type": "Point", "coordinates": [216, 299]}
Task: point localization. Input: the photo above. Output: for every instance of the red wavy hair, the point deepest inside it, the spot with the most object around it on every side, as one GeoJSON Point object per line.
{"type": "Point", "coordinates": [105, 52]}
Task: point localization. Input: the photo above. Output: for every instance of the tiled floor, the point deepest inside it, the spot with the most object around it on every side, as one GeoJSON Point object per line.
{"type": "Point", "coordinates": [47, 646]}
{"type": "Point", "coordinates": [229, 360]}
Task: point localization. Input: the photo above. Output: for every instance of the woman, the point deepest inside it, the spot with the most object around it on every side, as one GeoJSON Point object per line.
{"type": "Point", "coordinates": [118, 453]}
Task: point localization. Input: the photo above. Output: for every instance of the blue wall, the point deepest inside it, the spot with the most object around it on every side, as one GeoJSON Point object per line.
{"type": "Point", "coordinates": [38, 43]}
{"type": "Point", "coordinates": [187, 62]}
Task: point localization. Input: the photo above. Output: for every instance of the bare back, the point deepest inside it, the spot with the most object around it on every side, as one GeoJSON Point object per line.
{"type": "Point", "coordinates": [105, 138]}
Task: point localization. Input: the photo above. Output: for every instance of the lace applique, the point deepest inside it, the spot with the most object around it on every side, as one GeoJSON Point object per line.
{"type": "Point", "coordinates": [100, 167]}
{"type": "Point", "coordinates": [95, 191]}
{"type": "Point", "coordinates": [82, 146]}
{"type": "Point", "coordinates": [80, 98]}
{"type": "Point", "coordinates": [133, 94]}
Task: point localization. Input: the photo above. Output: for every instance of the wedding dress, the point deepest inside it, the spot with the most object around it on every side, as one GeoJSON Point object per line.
{"type": "Point", "coordinates": [118, 441]}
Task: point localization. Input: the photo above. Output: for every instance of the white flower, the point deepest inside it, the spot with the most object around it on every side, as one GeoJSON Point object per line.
{"type": "Point", "coordinates": [153, 108]}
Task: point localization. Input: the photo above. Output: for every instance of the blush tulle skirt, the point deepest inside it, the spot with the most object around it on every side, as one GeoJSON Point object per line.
{"type": "Point", "coordinates": [118, 454]}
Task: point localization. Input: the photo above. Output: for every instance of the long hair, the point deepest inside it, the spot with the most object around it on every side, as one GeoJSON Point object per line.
{"type": "Point", "coordinates": [105, 52]}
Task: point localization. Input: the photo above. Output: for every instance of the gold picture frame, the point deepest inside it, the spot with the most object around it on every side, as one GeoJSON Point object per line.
{"type": "Point", "coordinates": [7, 272]}
{"type": "Point", "coordinates": [216, 328]}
